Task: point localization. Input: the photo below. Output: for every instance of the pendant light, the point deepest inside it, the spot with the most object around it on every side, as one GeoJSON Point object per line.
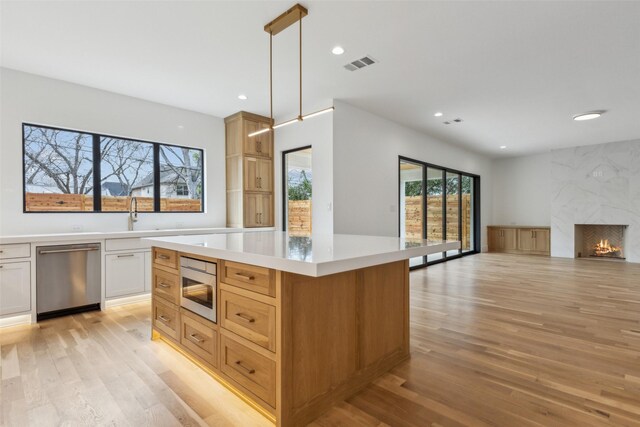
{"type": "Point", "coordinates": [282, 22]}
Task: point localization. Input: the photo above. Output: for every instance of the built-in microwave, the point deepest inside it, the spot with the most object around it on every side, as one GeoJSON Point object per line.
{"type": "Point", "coordinates": [198, 287]}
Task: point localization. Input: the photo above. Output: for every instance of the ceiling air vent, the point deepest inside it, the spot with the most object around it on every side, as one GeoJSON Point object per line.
{"type": "Point", "coordinates": [365, 61]}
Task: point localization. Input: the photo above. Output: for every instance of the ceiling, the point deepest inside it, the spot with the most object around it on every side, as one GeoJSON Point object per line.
{"type": "Point", "coordinates": [515, 72]}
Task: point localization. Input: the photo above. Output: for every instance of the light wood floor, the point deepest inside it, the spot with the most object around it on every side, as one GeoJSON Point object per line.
{"type": "Point", "coordinates": [504, 340]}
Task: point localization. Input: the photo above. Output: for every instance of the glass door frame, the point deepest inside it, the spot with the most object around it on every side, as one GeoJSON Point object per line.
{"type": "Point", "coordinates": [285, 183]}
{"type": "Point", "coordinates": [475, 207]}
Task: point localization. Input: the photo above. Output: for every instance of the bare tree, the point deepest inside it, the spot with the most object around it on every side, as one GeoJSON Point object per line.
{"type": "Point", "coordinates": [126, 159]}
{"type": "Point", "coordinates": [59, 157]}
{"type": "Point", "coordinates": [186, 172]}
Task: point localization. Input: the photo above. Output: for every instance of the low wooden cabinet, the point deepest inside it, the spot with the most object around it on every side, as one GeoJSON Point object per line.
{"type": "Point", "coordinates": [519, 240]}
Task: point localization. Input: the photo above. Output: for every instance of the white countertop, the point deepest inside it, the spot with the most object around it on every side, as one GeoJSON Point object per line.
{"type": "Point", "coordinates": [317, 255]}
{"type": "Point", "coordinates": [100, 235]}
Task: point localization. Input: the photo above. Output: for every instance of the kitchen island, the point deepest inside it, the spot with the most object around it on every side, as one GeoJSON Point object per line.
{"type": "Point", "coordinates": [301, 322]}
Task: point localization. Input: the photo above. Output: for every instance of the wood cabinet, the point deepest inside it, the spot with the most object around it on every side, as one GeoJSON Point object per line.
{"type": "Point", "coordinates": [290, 344]}
{"type": "Point", "coordinates": [519, 240]}
{"type": "Point", "coordinates": [15, 287]}
{"type": "Point", "coordinates": [125, 274]}
{"type": "Point", "coordinates": [258, 210]}
{"type": "Point", "coordinates": [249, 171]}
{"type": "Point", "coordinates": [258, 174]}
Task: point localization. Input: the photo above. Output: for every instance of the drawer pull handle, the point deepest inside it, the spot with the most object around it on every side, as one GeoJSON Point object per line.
{"type": "Point", "coordinates": [249, 370]}
{"type": "Point", "coordinates": [164, 319]}
{"type": "Point", "coordinates": [161, 256]}
{"type": "Point", "coordinates": [246, 318]}
{"type": "Point", "coordinates": [126, 256]}
{"type": "Point", "coordinates": [196, 338]}
{"type": "Point", "coordinates": [245, 276]}
{"type": "Point", "coordinates": [164, 285]}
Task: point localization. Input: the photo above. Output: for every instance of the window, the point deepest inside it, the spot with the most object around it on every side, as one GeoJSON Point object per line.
{"type": "Point", "coordinates": [448, 210]}
{"type": "Point", "coordinates": [126, 169]}
{"type": "Point", "coordinates": [72, 171]}
{"type": "Point", "coordinates": [297, 180]}
{"type": "Point", "coordinates": [180, 179]}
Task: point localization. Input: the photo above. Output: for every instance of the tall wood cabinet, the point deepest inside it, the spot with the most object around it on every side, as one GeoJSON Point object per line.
{"type": "Point", "coordinates": [519, 240]}
{"type": "Point", "coordinates": [249, 162]}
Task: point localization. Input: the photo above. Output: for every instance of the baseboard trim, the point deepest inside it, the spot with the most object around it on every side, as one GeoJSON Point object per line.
{"type": "Point", "coordinates": [21, 319]}
{"type": "Point", "coordinates": [114, 302]}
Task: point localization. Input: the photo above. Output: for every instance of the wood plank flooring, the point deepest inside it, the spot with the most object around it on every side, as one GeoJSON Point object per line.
{"type": "Point", "coordinates": [497, 340]}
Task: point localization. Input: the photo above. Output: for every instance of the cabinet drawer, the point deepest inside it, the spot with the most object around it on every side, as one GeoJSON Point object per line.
{"type": "Point", "coordinates": [250, 277]}
{"type": "Point", "coordinates": [165, 257]}
{"type": "Point", "coordinates": [20, 250]}
{"type": "Point", "coordinates": [251, 319]}
{"type": "Point", "coordinates": [166, 285]}
{"type": "Point", "coordinates": [199, 338]}
{"type": "Point", "coordinates": [166, 318]}
{"type": "Point", "coordinates": [251, 370]}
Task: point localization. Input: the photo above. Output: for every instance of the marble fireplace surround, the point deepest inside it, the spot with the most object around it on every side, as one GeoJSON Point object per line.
{"type": "Point", "coordinates": [596, 184]}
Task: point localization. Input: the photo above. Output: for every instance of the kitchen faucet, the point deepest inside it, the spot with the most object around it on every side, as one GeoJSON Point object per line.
{"type": "Point", "coordinates": [133, 212]}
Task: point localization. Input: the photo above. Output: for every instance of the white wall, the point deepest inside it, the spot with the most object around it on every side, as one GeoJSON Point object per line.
{"type": "Point", "coordinates": [34, 99]}
{"type": "Point", "coordinates": [521, 190]}
{"type": "Point", "coordinates": [365, 170]}
{"type": "Point", "coordinates": [317, 132]}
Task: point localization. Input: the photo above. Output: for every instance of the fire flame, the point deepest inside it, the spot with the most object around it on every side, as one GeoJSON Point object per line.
{"type": "Point", "coordinates": [605, 248]}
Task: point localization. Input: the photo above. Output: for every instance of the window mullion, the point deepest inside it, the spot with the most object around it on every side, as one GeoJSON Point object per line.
{"type": "Point", "coordinates": [97, 187]}
{"type": "Point", "coordinates": [156, 177]}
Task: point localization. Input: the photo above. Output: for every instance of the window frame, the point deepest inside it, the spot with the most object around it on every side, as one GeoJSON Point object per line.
{"type": "Point", "coordinates": [285, 183]}
{"type": "Point", "coordinates": [475, 206]}
{"type": "Point", "coordinates": [97, 184]}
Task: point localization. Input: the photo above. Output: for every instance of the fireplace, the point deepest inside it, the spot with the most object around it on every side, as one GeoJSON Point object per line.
{"type": "Point", "coordinates": [600, 241]}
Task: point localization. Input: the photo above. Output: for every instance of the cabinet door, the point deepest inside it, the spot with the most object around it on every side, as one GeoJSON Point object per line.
{"type": "Point", "coordinates": [266, 211]}
{"type": "Point", "coordinates": [525, 239]}
{"type": "Point", "coordinates": [15, 287]}
{"type": "Point", "coordinates": [493, 237]}
{"type": "Point", "coordinates": [541, 240]}
{"type": "Point", "coordinates": [148, 276]}
{"type": "Point", "coordinates": [264, 174]}
{"type": "Point", "coordinates": [510, 238]}
{"type": "Point", "coordinates": [251, 210]}
{"type": "Point", "coordinates": [259, 145]}
{"type": "Point", "coordinates": [124, 274]}
{"type": "Point", "coordinates": [257, 174]}
{"type": "Point", "coordinates": [258, 210]}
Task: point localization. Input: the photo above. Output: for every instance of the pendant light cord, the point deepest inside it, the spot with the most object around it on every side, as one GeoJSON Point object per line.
{"type": "Point", "coordinates": [271, 77]}
{"type": "Point", "coordinates": [300, 42]}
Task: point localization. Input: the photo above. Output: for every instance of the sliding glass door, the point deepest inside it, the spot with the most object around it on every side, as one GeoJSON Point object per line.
{"type": "Point", "coordinates": [438, 204]}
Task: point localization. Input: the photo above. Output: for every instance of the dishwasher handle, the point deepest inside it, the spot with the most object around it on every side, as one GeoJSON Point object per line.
{"type": "Point", "coordinates": [60, 251]}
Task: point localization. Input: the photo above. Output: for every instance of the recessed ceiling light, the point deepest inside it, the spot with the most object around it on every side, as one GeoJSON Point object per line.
{"type": "Point", "coordinates": [180, 127]}
{"type": "Point", "coordinates": [438, 114]}
{"type": "Point", "coordinates": [502, 147]}
{"type": "Point", "coordinates": [589, 115]}
{"type": "Point", "coordinates": [338, 50]}
{"type": "Point", "coordinates": [242, 97]}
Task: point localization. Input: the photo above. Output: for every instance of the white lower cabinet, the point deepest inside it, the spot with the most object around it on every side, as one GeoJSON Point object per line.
{"type": "Point", "coordinates": [15, 287]}
{"type": "Point", "coordinates": [125, 274]}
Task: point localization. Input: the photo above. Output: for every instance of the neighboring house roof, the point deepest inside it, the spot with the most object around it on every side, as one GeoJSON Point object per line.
{"type": "Point", "coordinates": [114, 189]}
{"type": "Point", "coordinates": [168, 175]}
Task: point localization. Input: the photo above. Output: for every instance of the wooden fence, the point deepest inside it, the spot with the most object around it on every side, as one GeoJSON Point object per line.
{"type": "Point", "coordinates": [299, 216]}
{"type": "Point", "coordinates": [413, 219]}
{"type": "Point", "coordinates": [45, 202]}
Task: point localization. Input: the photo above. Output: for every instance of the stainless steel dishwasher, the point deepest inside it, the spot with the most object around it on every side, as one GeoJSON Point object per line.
{"type": "Point", "coordinates": [67, 279]}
